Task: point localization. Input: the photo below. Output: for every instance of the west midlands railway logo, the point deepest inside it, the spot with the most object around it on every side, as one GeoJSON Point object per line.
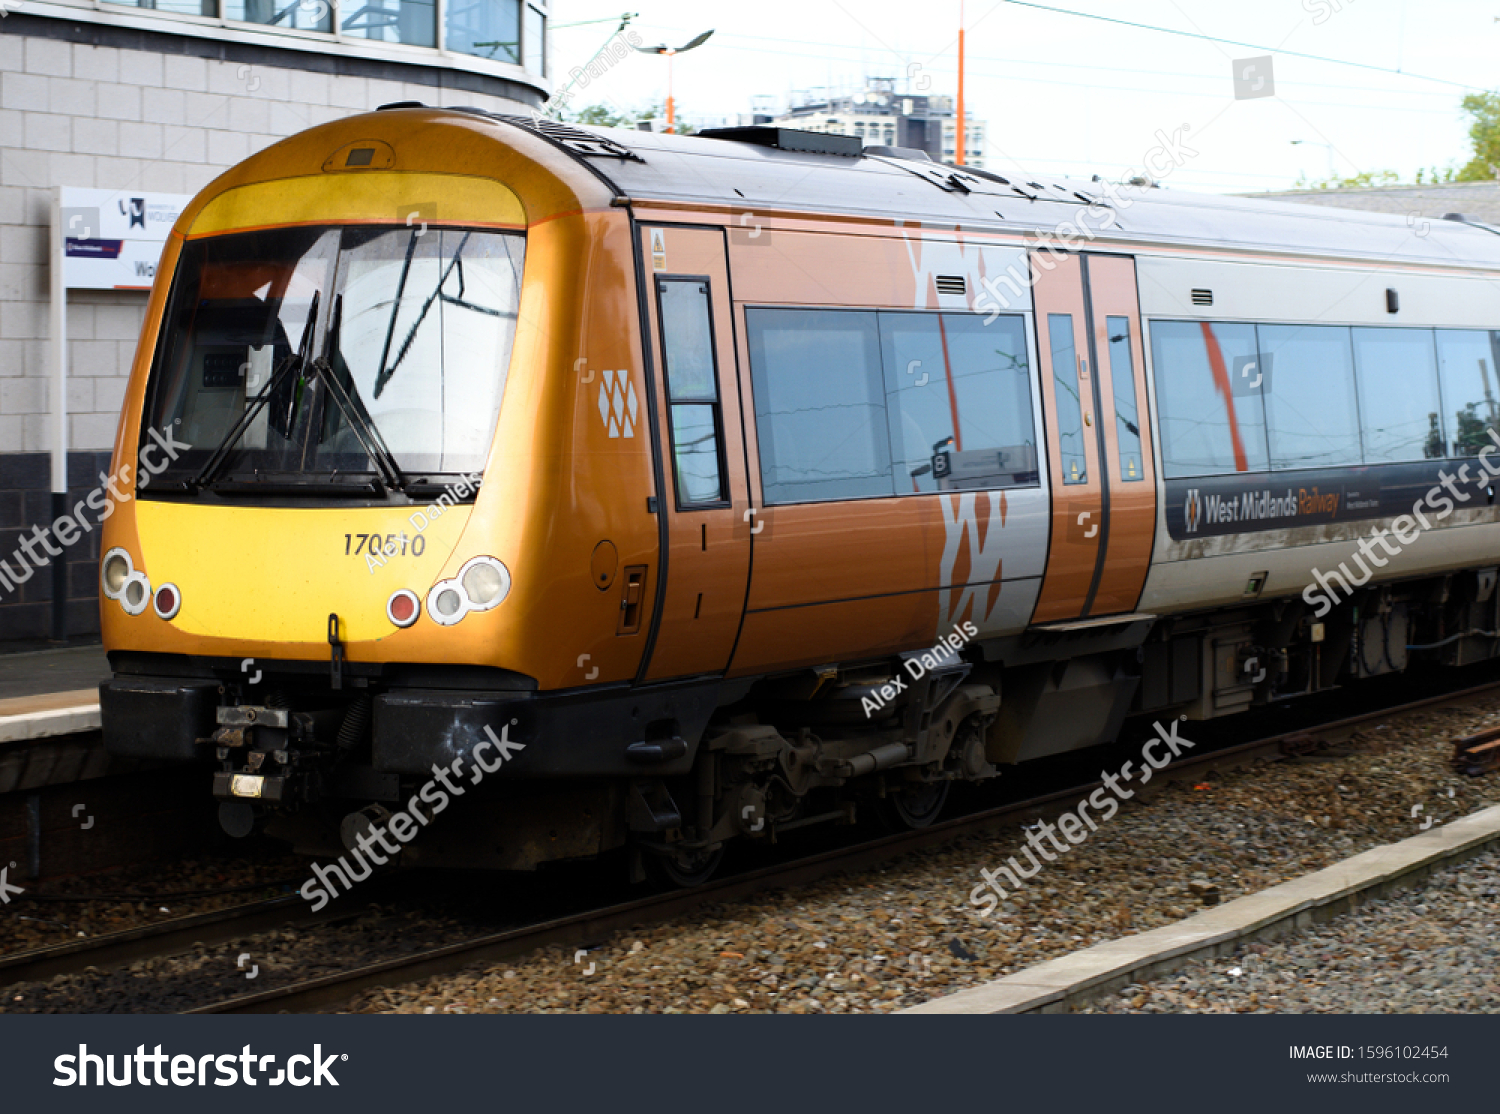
{"type": "Point", "coordinates": [617, 403]}
{"type": "Point", "coordinates": [1192, 511]}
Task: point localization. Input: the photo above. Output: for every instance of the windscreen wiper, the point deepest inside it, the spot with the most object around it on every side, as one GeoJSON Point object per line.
{"type": "Point", "coordinates": [364, 429]}
{"type": "Point", "coordinates": [292, 361]}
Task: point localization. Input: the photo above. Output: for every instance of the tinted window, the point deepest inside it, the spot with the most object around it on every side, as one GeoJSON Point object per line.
{"type": "Point", "coordinates": [1071, 458]}
{"type": "Point", "coordinates": [1398, 394]}
{"type": "Point", "coordinates": [1311, 413]}
{"type": "Point", "coordinates": [1122, 378]}
{"type": "Point", "coordinates": [417, 329]}
{"type": "Point", "coordinates": [960, 401]}
{"type": "Point", "coordinates": [1209, 397]}
{"type": "Point", "coordinates": [695, 455]}
{"type": "Point", "coordinates": [692, 389]}
{"type": "Point", "coordinates": [819, 404]}
{"type": "Point", "coordinates": [1467, 362]}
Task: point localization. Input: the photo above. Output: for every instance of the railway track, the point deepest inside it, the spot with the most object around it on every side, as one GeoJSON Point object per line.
{"type": "Point", "coordinates": [331, 991]}
{"type": "Point", "coordinates": [116, 949]}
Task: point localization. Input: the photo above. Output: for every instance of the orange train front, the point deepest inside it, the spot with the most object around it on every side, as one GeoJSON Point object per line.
{"type": "Point", "coordinates": [685, 489]}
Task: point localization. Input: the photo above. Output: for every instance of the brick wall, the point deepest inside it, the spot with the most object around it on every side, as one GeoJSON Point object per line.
{"type": "Point", "coordinates": [153, 114]}
{"type": "Point", "coordinates": [26, 503]}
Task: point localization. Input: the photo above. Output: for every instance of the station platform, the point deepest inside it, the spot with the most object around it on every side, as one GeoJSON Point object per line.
{"type": "Point", "coordinates": [49, 718]}
{"type": "Point", "coordinates": [51, 671]}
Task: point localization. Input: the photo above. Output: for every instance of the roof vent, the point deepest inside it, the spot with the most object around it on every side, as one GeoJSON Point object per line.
{"type": "Point", "coordinates": [900, 153]}
{"type": "Point", "coordinates": [790, 139]}
{"type": "Point", "coordinates": [1203, 297]}
{"type": "Point", "coordinates": [951, 284]}
{"type": "Point", "coordinates": [563, 135]}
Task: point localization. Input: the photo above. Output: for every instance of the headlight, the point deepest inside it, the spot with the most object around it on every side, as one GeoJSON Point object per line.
{"type": "Point", "coordinates": [480, 585]}
{"type": "Point", "coordinates": [486, 582]}
{"type": "Point", "coordinates": [120, 580]}
{"type": "Point", "coordinates": [137, 593]}
{"type": "Point", "coordinates": [113, 572]}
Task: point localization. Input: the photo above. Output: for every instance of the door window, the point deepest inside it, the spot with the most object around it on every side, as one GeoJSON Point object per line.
{"type": "Point", "coordinates": [1071, 456]}
{"type": "Point", "coordinates": [1127, 419]}
{"type": "Point", "coordinates": [693, 410]}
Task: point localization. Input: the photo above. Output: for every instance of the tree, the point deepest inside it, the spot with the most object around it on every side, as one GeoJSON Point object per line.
{"type": "Point", "coordinates": [1484, 131]}
{"type": "Point", "coordinates": [1364, 180]}
{"type": "Point", "coordinates": [601, 117]}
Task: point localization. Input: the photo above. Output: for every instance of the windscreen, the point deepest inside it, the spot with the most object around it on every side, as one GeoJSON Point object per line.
{"type": "Point", "coordinates": [335, 355]}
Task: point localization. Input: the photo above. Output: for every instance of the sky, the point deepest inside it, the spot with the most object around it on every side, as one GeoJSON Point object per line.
{"type": "Point", "coordinates": [1063, 94]}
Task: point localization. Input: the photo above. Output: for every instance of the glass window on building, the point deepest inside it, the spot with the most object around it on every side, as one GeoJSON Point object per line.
{"type": "Point", "coordinates": [180, 7]}
{"type": "Point", "coordinates": [486, 28]}
{"type": "Point", "coordinates": [413, 22]}
{"type": "Point", "coordinates": [534, 41]}
{"type": "Point", "coordinates": [298, 15]}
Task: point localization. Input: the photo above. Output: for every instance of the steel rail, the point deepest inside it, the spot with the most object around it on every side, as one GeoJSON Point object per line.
{"type": "Point", "coordinates": [114, 949]}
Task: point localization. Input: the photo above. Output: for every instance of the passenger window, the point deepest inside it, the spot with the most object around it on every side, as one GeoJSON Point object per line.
{"type": "Point", "coordinates": [692, 390]}
{"type": "Point", "coordinates": [819, 404]}
{"type": "Point", "coordinates": [1122, 377]}
{"type": "Point", "coordinates": [961, 413]}
{"type": "Point", "coordinates": [1467, 363]}
{"type": "Point", "coordinates": [1312, 419]}
{"type": "Point", "coordinates": [1399, 409]}
{"type": "Point", "coordinates": [1209, 393]}
{"type": "Point", "coordinates": [1071, 456]}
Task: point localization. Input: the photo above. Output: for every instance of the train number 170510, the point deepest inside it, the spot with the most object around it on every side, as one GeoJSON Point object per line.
{"type": "Point", "coordinates": [388, 545]}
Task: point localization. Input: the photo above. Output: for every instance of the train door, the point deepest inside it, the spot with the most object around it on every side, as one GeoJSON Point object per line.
{"type": "Point", "coordinates": [1129, 466]}
{"type": "Point", "coordinates": [1098, 440]}
{"type": "Point", "coordinates": [706, 564]}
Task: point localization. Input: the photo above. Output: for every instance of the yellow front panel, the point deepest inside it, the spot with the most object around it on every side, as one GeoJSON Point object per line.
{"type": "Point", "coordinates": [375, 195]}
{"type": "Point", "coordinates": [274, 574]}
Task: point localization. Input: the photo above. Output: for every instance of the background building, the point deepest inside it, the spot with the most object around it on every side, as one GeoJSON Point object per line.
{"type": "Point", "coordinates": [162, 97]}
{"type": "Point", "coordinates": [1478, 201]}
{"type": "Point", "coordinates": [883, 117]}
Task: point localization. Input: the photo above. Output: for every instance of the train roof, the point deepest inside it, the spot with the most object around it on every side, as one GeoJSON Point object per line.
{"type": "Point", "coordinates": [743, 170]}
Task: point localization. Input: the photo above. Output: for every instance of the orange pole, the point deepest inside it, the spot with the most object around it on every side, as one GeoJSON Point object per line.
{"type": "Point", "coordinates": [671, 130]}
{"type": "Point", "coordinates": [959, 157]}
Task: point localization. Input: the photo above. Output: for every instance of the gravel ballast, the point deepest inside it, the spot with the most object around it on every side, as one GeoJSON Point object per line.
{"type": "Point", "coordinates": [896, 936]}
{"type": "Point", "coordinates": [1431, 949]}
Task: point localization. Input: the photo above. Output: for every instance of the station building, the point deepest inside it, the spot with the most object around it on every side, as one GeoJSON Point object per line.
{"type": "Point", "coordinates": [158, 97]}
{"type": "Point", "coordinates": [884, 117]}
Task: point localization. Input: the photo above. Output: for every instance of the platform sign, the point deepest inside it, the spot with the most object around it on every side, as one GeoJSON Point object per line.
{"type": "Point", "coordinates": [113, 239]}
{"type": "Point", "coordinates": [101, 240]}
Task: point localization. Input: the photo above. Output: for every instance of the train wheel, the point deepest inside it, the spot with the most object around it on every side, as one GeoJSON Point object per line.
{"type": "Point", "coordinates": [917, 805]}
{"type": "Point", "coordinates": [685, 868]}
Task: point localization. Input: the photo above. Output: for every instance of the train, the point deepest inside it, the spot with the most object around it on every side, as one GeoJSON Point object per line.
{"type": "Point", "coordinates": [658, 493]}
